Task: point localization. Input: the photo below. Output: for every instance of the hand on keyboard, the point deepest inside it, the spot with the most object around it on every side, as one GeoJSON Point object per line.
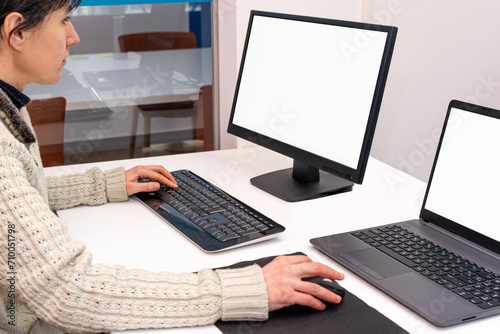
{"type": "Point", "coordinates": [208, 216]}
{"type": "Point", "coordinates": [158, 173]}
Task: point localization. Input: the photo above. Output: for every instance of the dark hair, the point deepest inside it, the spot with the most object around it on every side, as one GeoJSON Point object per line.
{"type": "Point", "coordinates": [33, 11]}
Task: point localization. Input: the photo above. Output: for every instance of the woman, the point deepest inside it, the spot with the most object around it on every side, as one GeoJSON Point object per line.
{"type": "Point", "coordinates": [47, 282]}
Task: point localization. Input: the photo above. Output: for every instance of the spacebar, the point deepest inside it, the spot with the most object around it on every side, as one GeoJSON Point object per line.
{"type": "Point", "coordinates": [396, 256]}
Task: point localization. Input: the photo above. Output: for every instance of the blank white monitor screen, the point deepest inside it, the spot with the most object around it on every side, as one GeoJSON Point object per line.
{"type": "Point", "coordinates": [311, 88]}
{"type": "Point", "coordinates": [315, 85]}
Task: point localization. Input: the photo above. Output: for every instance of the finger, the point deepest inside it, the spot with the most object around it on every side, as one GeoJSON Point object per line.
{"type": "Point", "coordinates": [313, 269]}
{"type": "Point", "coordinates": [308, 300]}
{"type": "Point", "coordinates": [138, 187]}
{"type": "Point", "coordinates": [319, 292]}
{"type": "Point", "coordinates": [160, 174]}
{"type": "Point", "coordinates": [163, 172]}
{"type": "Point", "coordinates": [293, 259]}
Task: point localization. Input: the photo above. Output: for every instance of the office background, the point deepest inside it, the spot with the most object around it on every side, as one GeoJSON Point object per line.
{"type": "Point", "coordinates": [445, 50]}
{"type": "Point", "coordinates": [133, 86]}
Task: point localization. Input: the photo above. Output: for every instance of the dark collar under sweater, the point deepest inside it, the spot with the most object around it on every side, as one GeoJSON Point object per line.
{"type": "Point", "coordinates": [17, 97]}
{"type": "Point", "coordinates": [12, 117]}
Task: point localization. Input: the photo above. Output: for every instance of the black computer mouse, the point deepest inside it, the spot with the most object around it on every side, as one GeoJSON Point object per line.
{"type": "Point", "coordinates": [324, 282]}
{"type": "Point", "coordinates": [327, 284]}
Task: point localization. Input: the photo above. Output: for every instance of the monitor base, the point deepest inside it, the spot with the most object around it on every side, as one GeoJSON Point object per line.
{"type": "Point", "coordinates": [282, 184]}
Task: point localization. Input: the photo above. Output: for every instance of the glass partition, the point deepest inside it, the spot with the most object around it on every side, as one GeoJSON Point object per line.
{"type": "Point", "coordinates": [138, 84]}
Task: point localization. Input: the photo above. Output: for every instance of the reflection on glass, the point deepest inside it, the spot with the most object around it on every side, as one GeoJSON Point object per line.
{"type": "Point", "coordinates": [107, 10]}
{"type": "Point", "coordinates": [134, 82]}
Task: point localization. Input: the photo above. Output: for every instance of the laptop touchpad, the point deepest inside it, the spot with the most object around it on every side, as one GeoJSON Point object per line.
{"type": "Point", "coordinates": [375, 263]}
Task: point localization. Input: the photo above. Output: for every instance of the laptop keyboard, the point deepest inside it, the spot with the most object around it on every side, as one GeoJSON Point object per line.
{"type": "Point", "coordinates": [467, 279]}
{"type": "Point", "coordinates": [221, 217]}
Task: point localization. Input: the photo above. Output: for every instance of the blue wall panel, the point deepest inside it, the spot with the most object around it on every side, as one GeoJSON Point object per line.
{"type": "Point", "coordinates": [131, 2]}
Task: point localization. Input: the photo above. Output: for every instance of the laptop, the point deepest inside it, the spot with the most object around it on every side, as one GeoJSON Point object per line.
{"type": "Point", "coordinates": [445, 265]}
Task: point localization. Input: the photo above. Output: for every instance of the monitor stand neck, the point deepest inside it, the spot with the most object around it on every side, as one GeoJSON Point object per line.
{"type": "Point", "coordinates": [304, 173]}
{"type": "Point", "coordinates": [301, 182]}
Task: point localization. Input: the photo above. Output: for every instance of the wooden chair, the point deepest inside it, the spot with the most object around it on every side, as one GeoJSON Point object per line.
{"type": "Point", "coordinates": [47, 117]}
{"type": "Point", "coordinates": [155, 41]}
{"type": "Point", "coordinates": [205, 126]}
{"type": "Point", "coordinates": [204, 133]}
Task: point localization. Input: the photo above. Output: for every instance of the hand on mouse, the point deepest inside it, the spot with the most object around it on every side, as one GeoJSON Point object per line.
{"type": "Point", "coordinates": [153, 172]}
{"type": "Point", "coordinates": [285, 286]}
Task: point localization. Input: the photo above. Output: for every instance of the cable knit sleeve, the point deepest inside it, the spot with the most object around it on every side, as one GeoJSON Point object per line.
{"type": "Point", "coordinates": [93, 187]}
{"type": "Point", "coordinates": [57, 281]}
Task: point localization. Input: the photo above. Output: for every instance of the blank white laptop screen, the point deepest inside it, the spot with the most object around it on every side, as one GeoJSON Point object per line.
{"type": "Point", "coordinates": [466, 181]}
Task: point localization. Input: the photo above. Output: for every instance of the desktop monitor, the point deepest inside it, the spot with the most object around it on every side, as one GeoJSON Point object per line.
{"type": "Point", "coordinates": [310, 89]}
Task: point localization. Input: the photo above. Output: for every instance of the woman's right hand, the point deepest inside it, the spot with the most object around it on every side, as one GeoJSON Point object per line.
{"type": "Point", "coordinates": [285, 286]}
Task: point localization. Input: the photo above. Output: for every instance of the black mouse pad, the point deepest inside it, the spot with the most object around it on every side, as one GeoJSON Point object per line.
{"type": "Point", "coordinates": [351, 316]}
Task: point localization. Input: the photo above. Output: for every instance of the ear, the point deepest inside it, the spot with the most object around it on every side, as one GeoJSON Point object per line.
{"type": "Point", "coordinates": [17, 39]}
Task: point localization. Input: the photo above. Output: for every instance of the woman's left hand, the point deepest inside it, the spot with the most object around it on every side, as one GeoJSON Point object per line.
{"type": "Point", "coordinates": [153, 172]}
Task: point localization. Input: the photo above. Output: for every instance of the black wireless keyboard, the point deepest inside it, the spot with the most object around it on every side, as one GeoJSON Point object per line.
{"type": "Point", "coordinates": [209, 217]}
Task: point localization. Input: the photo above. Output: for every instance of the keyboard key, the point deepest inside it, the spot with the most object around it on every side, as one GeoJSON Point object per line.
{"type": "Point", "coordinates": [454, 280]}
{"type": "Point", "coordinates": [489, 304]}
{"type": "Point", "coordinates": [467, 279]}
{"type": "Point", "coordinates": [464, 294]}
{"type": "Point", "coordinates": [396, 256]}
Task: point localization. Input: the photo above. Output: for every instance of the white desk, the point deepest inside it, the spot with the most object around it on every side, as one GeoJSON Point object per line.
{"type": "Point", "coordinates": [131, 235]}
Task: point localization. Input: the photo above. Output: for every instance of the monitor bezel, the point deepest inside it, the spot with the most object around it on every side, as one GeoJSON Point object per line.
{"type": "Point", "coordinates": [355, 175]}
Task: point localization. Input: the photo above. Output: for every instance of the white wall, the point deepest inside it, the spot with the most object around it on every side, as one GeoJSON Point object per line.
{"type": "Point", "coordinates": [445, 50]}
{"type": "Point", "coordinates": [233, 21]}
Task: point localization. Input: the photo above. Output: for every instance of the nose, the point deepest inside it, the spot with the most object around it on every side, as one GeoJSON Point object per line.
{"type": "Point", "coordinates": [73, 37]}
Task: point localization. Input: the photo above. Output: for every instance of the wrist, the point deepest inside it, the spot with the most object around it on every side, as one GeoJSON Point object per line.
{"type": "Point", "coordinates": [116, 189]}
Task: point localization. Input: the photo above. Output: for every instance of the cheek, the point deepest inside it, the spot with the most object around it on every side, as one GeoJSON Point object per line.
{"type": "Point", "coordinates": [41, 53]}
{"type": "Point", "coordinates": [52, 56]}
{"type": "Point", "coordinates": [55, 48]}
{"type": "Point", "coordinates": [53, 44]}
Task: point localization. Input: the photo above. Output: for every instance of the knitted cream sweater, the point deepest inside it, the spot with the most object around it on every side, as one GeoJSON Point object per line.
{"type": "Point", "coordinates": [51, 279]}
